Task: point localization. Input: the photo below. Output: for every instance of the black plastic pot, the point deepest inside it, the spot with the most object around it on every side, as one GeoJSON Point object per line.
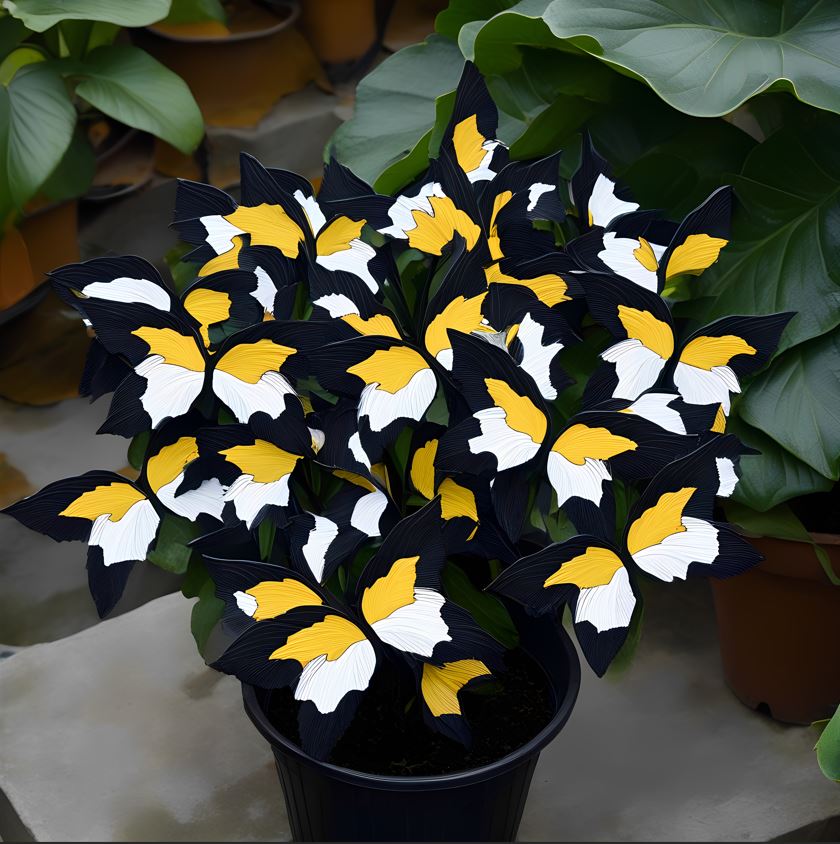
{"type": "Point", "coordinates": [328, 803]}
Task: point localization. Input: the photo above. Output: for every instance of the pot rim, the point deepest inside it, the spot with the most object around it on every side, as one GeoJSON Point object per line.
{"type": "Point", "coordinates": [816, 537]}
{"type": "Point", "coordinates": [453, 780]}
{"type": "Point", "coordinates": [293, 14]}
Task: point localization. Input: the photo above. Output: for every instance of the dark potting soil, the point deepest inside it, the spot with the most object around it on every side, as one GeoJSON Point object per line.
{"type": "Point", "coordinates": [384, 739]}
{"type": "Point", "coordinates": [820, 511]}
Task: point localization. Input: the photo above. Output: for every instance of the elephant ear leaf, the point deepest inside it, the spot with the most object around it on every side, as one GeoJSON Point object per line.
{"type": "Point", "coordinates": [386, 143]}
{"type": "Point", "coordinates": [40, 15]}
{"type": "Point", "coordinates": [37, 120]}
{"type": "Point", "coordinates": [126, 83]}
{"type": "Point", "coordinates": [706, 60]}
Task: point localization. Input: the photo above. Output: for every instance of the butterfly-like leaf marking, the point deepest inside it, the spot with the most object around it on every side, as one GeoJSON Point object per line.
{"type": "Point", "coordinates": [107, 511]}
{"type": "Point", "coordinates": [587, 574]}
{"type": "Point", "coordinates": [471, 132]}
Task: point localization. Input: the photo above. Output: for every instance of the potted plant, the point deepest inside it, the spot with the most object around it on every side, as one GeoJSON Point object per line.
{"type": "Point", "coordinates": [238, 58]}
{"type": "Point", "coordinates": [357, 433]}
{"type": "Point", "coordinates": [782, 667]}
{"type": "Point", "coordinates": [58, 66]}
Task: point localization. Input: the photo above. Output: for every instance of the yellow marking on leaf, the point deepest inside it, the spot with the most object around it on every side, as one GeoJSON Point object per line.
{"type": "Point", "coordinates": [653, 333]}
{"type": "Point", "coordinates": [263, 460]}
{"type": "Point", "coordinates": [462, 314]}
{"type": "Point", "coordinates": [549, 288]}
{"type": "Point", "coordinates": [457, 501]}
{"type": "Point", "coordinates": [440, 684]}
{"type": "Point", "coordinates": [392, 591]}
{"type": "Point", "coordinates": [269, 225]}
{"type": "Point", "coordinates": [594, 567]}
{"type": "Point", "coordinates": [645, 255]}
{"type": "Point", "coordinates": [423, 469]}
{"type": "Point", "coordinates": [391, 368]}
{"type": "Point", "coordinates": [379, 325]}
{"type": "Point", "coordinates": [432, 232]}
{"type": "Point", "coordinates": [468, 141]}
{"type": "Point", "coordinates": [163, 467]}
{"type": "Point", "coordinates": [580, 441]}
{"type": "Point", "coordinates": [208, 307]}
{"type": "Point", "coordinates": [521, 413]}
{"type": "Point", "coordinates": [330, 637]}
{"type": "Point", "coordinates": [337, 235]}
{"type": "Point", "coordinates": [353, 478]}
{"type": "Point", "coordinates": [250, 361]}
{"type": "Point", "coordinates": [226, 261]}
{"type": "Point", "coordinates": [708, 352]}
{"type": "Point", "coordinates": [659, 521]}
{"type": "Point", "coordinates": [719, 425]}
{"type": "Point", "coordinates": [493, 241]}
{"type": "Point", "coordinates": [695, 254]}
{"type": "Point", "coordinates": [115, 499]}
{"type": "Point", "coordinates": [176, 349]}
{"type": "Point", "coordinates": [276, 597]}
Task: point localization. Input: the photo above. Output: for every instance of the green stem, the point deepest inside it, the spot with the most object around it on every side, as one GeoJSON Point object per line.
{"type": "Point", "coordinates": [423, 299]}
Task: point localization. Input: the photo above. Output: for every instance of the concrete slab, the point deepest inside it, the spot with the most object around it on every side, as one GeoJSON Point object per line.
{"type": "Point", "coordinates": [119, 733]}
{"type": "Point", "coordinates": [43, 584]}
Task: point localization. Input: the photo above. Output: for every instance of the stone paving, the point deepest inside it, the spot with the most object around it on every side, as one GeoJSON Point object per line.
{"type": "Point", "coordinates": [119, 733]}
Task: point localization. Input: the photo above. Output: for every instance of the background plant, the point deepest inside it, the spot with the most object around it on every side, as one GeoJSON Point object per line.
{"type": "Point", "coordinates": [62, 61]}
{"type": "Point", "coordinates": [680, 97]}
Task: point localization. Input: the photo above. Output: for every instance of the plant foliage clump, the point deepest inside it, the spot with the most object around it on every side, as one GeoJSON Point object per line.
{"type": "Point", "coordinates": [359, 414]}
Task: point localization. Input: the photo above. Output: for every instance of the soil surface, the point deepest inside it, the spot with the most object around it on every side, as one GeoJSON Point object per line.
{"type": "Point", "coordinates": [385, 739]}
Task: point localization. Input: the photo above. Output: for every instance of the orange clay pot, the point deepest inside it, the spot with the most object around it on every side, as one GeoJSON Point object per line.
{"type": "Point", "coordinates": [341, 31]}
{"type": "Point", "coordinates": [44, 240]}
{"type": "Point", "coordinates": [779, 628]}
{"type": "Point", "coordinates": [236, 72]}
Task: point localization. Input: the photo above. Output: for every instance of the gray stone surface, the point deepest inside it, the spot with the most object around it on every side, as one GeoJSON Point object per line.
{"type": "Point", "coordinates": [291, 136]}
{"type": "Point", "coordinates": [135, 225]}
{"type": "Point", "coordinates": [43, 584]}
{"type": "Point", "coordinates": [119, 733]}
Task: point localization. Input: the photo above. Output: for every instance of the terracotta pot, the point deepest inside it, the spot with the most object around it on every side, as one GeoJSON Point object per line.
{"type": "Point", "coordinates": [339, 30]}
{"type": "Point", "coordinates": [45, 239]}
{"type": "Point", "coordinates": [779, 628]}
{"type": "Point", "coordinates": [238, 74]}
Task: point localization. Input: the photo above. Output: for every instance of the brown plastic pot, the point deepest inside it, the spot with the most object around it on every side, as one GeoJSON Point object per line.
{"type": "Point", "coordinates": [779, 626]}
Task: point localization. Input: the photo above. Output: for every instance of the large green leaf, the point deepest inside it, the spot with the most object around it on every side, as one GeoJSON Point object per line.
{"type": "Point", "coordinates": [74, 173]}
{"type": "Point", "coordinates": [40, 15]}
{"type": "Point", "coordinates": [195, 11]}
{"type": "Point", "coordinates": [206, 613]}
{"type": "Point", "coordinates": [395, 107]}
{"type": "Point", "coordinates": [488, 611]}
{"type": "Point", "coordinates": [172, 551]}
{"type": "Point", "coordinates": [36, 126]}
{"type": "Point", "coordinates": [706, 57]}
{"type": "Point", "coordinates": [785, 247]}
{"type": "Point", "coordinates": [828, 748]}
{"type": "Point", "coordinates": [774, 475]}
{"type": "Point", "coordinates": [494, 44]}
{"type": "Point", "coordinates": [128, 84]}
{"type": "Point", "coordinates": [459, 12]}
{"type": "Point", "coordinates": [797, 403]}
